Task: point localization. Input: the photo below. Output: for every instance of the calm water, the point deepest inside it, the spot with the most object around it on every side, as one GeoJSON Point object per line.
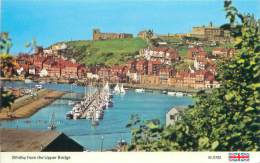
{"type": "Point", "coordinates": [112, 127]}
{"type": "Point", "coordinates": [50, 21]}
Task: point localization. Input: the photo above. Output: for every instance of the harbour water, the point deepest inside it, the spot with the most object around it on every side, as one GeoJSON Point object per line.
{"type": "Point", "coordinates": [111, 128]}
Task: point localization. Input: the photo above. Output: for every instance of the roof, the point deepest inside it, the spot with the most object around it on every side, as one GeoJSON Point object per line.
{"type": "Point", "coordinates": [176, 109]}
{"type": "Point", "coordinates": [23, 140]}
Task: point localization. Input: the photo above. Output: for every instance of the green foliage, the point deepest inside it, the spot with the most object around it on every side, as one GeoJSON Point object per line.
{"type": "Point", "coordinates": [144, 133]}
{"type": "Point", "coordinates": [183, 51]}
{"type": "Point", "coordinates": [106, 52]}
{"type": "Point", "coordinates": [5, 43]}
{"type": "Point", "coordinates": [6, 99]}
{"type": "Point", "coordinates": [31, 45]}
{"type": "Point", "coordinates": [228, 117]}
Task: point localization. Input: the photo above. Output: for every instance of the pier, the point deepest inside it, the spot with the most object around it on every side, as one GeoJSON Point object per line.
{"type": "Point", "coordinates": [27, 105]}
{"type": "Point", "coordinates": [62, 98]}
{"type": "Point", "coordinates": [92, 106]}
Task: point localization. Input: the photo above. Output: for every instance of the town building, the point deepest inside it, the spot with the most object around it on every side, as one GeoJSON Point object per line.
{"type": "Point", "coordinates": [223, 52]}
{"type": "Point", "coordinates": [196, 52]}
{"type": "Point", "coordinates": [97, 35]}
{"type": "Point", "coordinates": [151, 80]}
{"type": "Point", "coordinates": [55, 66]}
{"type": "Point", "coordinates": [154, 67]}
{"type": "Point", "coordinates": [163, 54]}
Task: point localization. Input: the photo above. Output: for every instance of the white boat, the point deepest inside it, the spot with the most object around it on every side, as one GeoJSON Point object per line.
{"type": "Point", "coordinates": [179, 94]}
{"type": "Point", "coordinates": [27, 81]}
{"type": "Point", "coordinates": [171, 93]}
{"type": "Point", "coordinates": [52, 124]}
{"type": "Point", "coordinates": [164, 92]}
{"type": "Point", "coordinates": [42, 82]}
{"type": "Point", "coordinates": [117, 89]}
{"type": "Point", "coordinates": [71, 103]}
{"type": "Point", "coordinates": [122, 90]}
{"type": "Point", "coordinates": [106, 87]}
{"type": "Point", "coordinates": [38, 86]}
{"type": "Point", "coordinates": [139, 90]}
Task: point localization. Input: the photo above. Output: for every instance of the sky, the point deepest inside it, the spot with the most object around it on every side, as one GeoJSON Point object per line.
{"type": "Point", "coordinates": [50, 21]}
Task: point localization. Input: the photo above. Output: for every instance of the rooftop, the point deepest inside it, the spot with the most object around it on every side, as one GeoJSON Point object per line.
{"type": "Point", "coordinates": [21, 140]}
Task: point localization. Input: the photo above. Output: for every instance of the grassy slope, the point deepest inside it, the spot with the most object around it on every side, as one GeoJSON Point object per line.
{"type": "Point", "coordinates": [107, 52]}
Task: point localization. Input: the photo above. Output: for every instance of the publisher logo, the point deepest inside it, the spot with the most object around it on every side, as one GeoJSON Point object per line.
{"type": "Point", "coordinates": [239, 156]}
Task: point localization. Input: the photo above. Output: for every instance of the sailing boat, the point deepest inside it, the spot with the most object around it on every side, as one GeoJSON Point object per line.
{"type": "Point", "coordinates": [94, 118]}
{"type": "Point", "coordinates": [70, 101]}
{"type": "Point", "coordinates": [117, 89]}
{"type": "Point", "coordinates": [106, 87]}
{"type": "Point", "coordinates": [122, 90]}
{"type": "Point", "coordinates": [52, 124]}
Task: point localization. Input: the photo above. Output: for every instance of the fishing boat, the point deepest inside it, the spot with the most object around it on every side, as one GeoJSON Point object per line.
{"type": "Point", "coordinates": [52, 124]}
{"type": "Point", "coordinates": [139, 90]}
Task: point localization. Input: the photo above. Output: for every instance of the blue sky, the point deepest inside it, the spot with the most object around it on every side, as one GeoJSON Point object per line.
{"type": "Point", "coordinates": [50, 21]}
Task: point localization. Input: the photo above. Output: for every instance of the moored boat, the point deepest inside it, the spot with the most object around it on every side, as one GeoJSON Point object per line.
{"type": "Point", "coordinates": [116, 89]}
{"type": "Point", "coordinates": [122, 90]}
{"type": "Point", "coordinates": [27, 81]}
{"type": "Point", "coordinates": [139, 90]}
{"type": "Point", "coordinates": [179, 94]}
{"type": "Point", "coordinates": [171, 93]}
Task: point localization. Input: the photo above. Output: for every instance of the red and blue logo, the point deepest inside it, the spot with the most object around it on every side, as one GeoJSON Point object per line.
{"type": "Point", "coordinates": [239, 156]}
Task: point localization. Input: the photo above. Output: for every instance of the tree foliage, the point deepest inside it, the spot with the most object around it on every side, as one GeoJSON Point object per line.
{"type": "Point", "coordinates": [228, 118]}
{"type": "Point", "coordinates": [6, 98]}
{"type": "Point", "coordinates": [5, 43]}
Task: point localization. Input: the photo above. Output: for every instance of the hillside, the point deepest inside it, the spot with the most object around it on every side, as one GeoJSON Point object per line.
{"type": "Point", "coordinates": [107, 52]}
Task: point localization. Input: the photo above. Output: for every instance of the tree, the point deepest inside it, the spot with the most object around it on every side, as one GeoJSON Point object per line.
{"type": "Point", "coordinates": [31, 45]}
{"type": "Point", "coordinates": [5, 43]}
{"type": "Point", "coordinates": [228, 117]}
{"type": "Point", "coordinates": [6, 99]}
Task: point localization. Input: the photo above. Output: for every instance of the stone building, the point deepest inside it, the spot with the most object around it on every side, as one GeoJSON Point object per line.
{"type": "Point", "coordinates": [211, 33]}
{"type": "Point", "coordinates": [98, 35]}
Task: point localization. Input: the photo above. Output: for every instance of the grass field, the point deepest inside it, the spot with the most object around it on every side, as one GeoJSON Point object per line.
{"type": "Point", "coordinates": [106, 52]}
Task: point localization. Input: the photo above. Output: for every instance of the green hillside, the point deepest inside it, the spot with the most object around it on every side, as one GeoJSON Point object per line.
{"type": "Point", "coordinates": [106, 52]}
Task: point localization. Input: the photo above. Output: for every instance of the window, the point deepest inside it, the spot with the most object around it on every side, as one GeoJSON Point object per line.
{"type": "Point", "coordinates": [172, 117]}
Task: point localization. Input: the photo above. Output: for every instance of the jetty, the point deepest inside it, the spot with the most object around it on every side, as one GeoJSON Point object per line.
{"type": "Point", "coordinates": [92, 105]}
{"type": "Point", "coordinates": [27, 105]}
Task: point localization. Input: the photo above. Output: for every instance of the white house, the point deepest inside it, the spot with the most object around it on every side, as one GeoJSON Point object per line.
{"type": "Point", "coordinates": [174, 114]}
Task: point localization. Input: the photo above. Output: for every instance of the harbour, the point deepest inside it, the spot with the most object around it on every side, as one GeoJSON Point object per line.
{"type": "Point", "coordinates": [111, 127]}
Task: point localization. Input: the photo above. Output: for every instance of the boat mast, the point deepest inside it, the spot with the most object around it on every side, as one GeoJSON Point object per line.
{"type": "Point", "coordinates": [52, 122]}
